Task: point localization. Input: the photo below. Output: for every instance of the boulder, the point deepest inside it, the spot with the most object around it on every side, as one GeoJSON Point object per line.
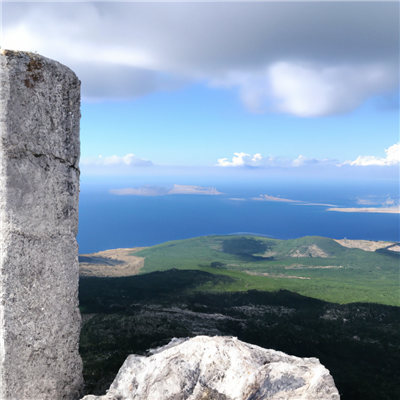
{"type": "Point", "coordinates": [219, 368]}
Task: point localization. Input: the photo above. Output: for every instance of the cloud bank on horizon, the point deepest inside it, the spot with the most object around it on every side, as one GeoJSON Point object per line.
{"type": "Point", "coordinates": [129, 159]}
{"type": "Point", "coordinates": [267, 51]}
{"type": "Point", "coordinates": [257, 161]}
{"type": "Point", "coordinates": [246, 160]}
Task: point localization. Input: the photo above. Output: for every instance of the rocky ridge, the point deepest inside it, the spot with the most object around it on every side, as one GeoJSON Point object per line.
{"type": "Point", "coordinates": [219, 368]}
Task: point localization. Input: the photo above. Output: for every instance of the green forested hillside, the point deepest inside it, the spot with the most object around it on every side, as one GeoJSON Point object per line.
{"type": "Point", "coordinates": [359, 343]}
{"type": "Point", "coordinates": [253, 288]}
{"type": "Point", "coordinates": [312, 266]}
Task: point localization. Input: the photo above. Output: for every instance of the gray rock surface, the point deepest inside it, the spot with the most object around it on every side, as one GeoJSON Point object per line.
{"type": "Point", "coordinates": [39, 190]}
{"type": "Point", "coordinates": [219, 368]}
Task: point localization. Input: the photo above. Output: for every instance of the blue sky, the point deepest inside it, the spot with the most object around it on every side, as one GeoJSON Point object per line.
{"type": "Point", "coordinates": [176, 88]}
{"type": "Point", "coordinates": [197, 125]}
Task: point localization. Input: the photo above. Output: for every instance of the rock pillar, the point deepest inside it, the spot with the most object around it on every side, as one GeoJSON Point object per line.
{"type": "Point", "coordinates": [39, 190]}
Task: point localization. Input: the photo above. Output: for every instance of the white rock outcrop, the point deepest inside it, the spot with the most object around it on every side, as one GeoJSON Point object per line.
{"type": "Point", "coordinates": [39, 193]}
{"type": "Point", "coordinates": [219, 368]}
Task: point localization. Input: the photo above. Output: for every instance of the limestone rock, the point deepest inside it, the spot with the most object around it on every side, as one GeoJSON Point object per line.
{"type": "Point", "coordinates": [39, 190]}
{"type": "Point", "coordinates": [219, 368]}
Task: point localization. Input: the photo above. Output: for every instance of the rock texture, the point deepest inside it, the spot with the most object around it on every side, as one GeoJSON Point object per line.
{"type": "Point", "coordinates": [219, 368]}
{"type": "Point", "coordinates": [39, 189]}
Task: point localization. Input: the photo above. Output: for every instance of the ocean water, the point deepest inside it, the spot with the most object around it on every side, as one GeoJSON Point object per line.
{"type": "Point", "coordinates": [110, 221]}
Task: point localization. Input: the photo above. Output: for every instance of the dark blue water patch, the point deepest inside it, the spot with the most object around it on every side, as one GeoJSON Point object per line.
{"type": "Point", "coordinates": [108, 221]}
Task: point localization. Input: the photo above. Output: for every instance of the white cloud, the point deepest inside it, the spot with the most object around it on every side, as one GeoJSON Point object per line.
{"type": "Point", "coordinates": [160, 191]}
{"type": "Point", "coordinates": [312, 91]}
{"type": "Point", "coordinates": [306, 59]}
{"type": "Point", "coordinates": [129, 159]}
{"type": "Point", "coordinates": [242, 159]}
{"type": "Point", "coordinates": [392, 158]}
{"type": "Point", "coordinates": [246, 160]}
{"type": "Point", "coordinates": [302, 161]}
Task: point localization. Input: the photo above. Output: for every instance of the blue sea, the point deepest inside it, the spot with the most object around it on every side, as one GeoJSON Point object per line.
{"type": "Point", "coordinates": [108, 221]}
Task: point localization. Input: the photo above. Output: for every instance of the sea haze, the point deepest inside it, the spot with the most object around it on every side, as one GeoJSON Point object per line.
{"type": "Point", "coordinates": [108, 221]}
